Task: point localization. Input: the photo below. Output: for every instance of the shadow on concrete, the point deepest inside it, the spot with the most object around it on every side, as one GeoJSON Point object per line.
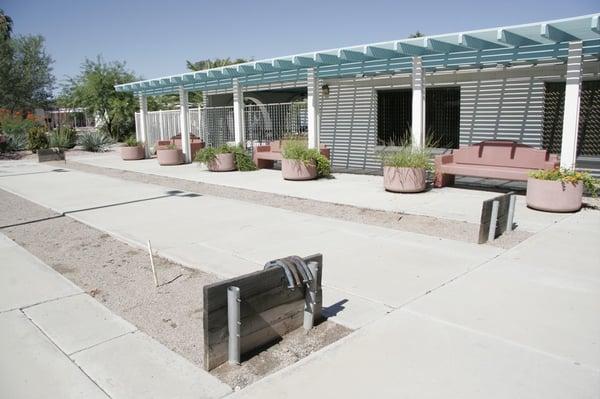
{"type": "Point", "coordinates": [334, 309]}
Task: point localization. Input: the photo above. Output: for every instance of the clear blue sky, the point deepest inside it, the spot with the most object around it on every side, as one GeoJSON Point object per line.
{"type": "Point", "coordinates": [155, 38]}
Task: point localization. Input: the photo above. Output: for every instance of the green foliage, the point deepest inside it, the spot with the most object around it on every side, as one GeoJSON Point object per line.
{"type": "Point", "coordinates": [20, 133]}
{"type": "Point", "coordinates": [243, 161]}
{"type": "Point", "coordinates": [568, 176]}
{"type": "Point", "coordinates": [216, 63]}
{"type": "Point", "coordinates": [298, 150]}
{"type": "Point", "coordinates": [6, 23]}
{"type": "Point", "coordinates": [131, 141]}
{"type": "Point", "coordinates": [12, 143]}
{"type": "Point", "coordinates": [407, 156]}
{"type": "Point", "coordinates": [63, 138]}
{"type": "Point", "coordinates": [93, 89]}
{"type": "Point", "coordinates": [95, 141]}
{"type": "Point", "coordinates": [37, 138]}
{"type": "Point", "coordinates": [26, 79]}
{"type": "Point", "coordinates": [415, 35]}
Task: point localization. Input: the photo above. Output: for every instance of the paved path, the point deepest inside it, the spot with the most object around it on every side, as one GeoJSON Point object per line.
{"type": "Point", "coordinates": [525, 325]}
{"type": "Point", "coordinates": [368, 271]}
{"type": "Point", "coordinates": [58, 342]}
{"type": "Point", "coordinates": [363, 191]}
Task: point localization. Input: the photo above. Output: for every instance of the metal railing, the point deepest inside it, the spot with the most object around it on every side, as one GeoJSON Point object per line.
{"type": "Point", "coordinates": [263, 123]}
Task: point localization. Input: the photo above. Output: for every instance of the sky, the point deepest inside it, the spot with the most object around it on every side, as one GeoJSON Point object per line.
{"type": "Point", "coordinates": [155, 38]}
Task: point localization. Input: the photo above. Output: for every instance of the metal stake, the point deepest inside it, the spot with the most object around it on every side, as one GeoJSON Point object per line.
{"type": "Point", "coordinates": [233, 324]}
{"type": "Point", "coordinates": [511, 213]}
{"type": "Point", "coordinates": [311, 297]}
{"type": "Point", "coordinates": [152, 264]}
{"type": "Point", "coordinates": [493, 221]}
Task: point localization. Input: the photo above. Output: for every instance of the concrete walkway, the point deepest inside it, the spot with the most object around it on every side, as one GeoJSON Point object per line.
{"type": "Point", "coordinates": [58, 342]}
{"type": "Point", "coordinates": [525, 325]}
{"type": "Point", "coordinates": [363, 191]}
{"type": "Point", "coordinates": [369, 270]}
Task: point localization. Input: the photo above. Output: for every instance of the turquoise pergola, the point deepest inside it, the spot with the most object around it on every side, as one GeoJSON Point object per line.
{"type": "Point", "coordinates": [566, 40]}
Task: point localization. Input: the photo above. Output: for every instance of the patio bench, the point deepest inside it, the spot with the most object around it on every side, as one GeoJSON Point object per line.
{"type": "Point", "coordinates": [196, 143]}
{"type": "Point", "coordinates": [264, 156]}
{"type": "Point", "coordinates": [499, 159]}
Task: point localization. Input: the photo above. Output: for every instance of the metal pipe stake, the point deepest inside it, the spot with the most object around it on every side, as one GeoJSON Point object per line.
{"type": "Point", "coordinates": [233, 324]}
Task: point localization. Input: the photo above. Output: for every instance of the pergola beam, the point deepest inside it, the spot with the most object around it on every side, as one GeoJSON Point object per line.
{"type": "Point", "coordinates": [514, 39]}
{"type": "Point", "coordinates": [556, 35]}
{"type": "Point", "coordinates": [477, 43]}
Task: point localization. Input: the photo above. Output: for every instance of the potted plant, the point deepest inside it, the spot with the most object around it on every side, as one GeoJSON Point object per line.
{"type": "Point", "coordinates": [405, 169]}
{"type": "Point", "coordinates": [132, 150]}
{"type": "Point", "coordinates": [559, 190]}
{"type": "Point", "coordinates": [302, 163]}
{"type": "Point", "coordinates": [225, 158]}
{"type": "Point", "coordinates": [169, 155]}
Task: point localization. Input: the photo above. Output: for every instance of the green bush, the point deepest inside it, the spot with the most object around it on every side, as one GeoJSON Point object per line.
{"type": "Point", "coordinates": [568, 176]}
{"type": "Point", "coordinates": [64, 137]}
{"type": "Point", "coordinates": [15, 130]}
{"type": "Point", "coordinates": [298, 150]}
{"type": "Point", "coordinates": [14, 142]}
{"type": "Point", "coordinates": [95, 141]}
{"type": "Point", "coordinates": [407, 156]}
{"type": "Point", "coordinates": [131, 141]}
{"type": "Point", "coordinates": [37, 138]}
{"type": "Point", "coordinates": [243, 161]}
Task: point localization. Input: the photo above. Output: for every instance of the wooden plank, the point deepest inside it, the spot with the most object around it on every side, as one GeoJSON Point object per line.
{"type": "Point", "coordinates": [486, 214]}
{"type": "Point", "coordinates": [268, 310]}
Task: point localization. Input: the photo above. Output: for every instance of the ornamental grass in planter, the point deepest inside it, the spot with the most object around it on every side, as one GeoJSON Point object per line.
{"type": "Point", "coordinates": [405, 168]}
{"type": "Point", "coordinates": [302, 163]}
{"type": "Point", "coordinates": [169, 155]}
{"type": "Point", "coordinates": [225, 158]}
{"type": "Point", "coordinates": [132, 150]}
{"type": "Point", "coordinates": [559, 190]}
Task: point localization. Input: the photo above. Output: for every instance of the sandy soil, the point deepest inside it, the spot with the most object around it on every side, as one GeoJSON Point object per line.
{"type": "Point", "coordinates": [460, 231]}
{"type": "Point", "coordinates": [120, 277]}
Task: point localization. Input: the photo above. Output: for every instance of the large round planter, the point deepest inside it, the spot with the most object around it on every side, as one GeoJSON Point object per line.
{"type": "Point", "coordinates": [554, 196]}
{"type": "Point", "coordinates": [293, 169]}
{"type": "Point", "coordinates": [132, 153]}
{"type": "Point", "coordinates": [169, 157]}
{"type": "Point", "coordinates": [222, 163]}
{"type": "Point", "coordinates": [404, 180]}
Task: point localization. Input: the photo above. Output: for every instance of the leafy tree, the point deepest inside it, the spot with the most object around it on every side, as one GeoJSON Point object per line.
{"type": "Point", "coordinates": [415, 35]}
{"type": "Point", "coordinates": [26, 79]}
{"type": "Point", "coordinates": [93, 89]}
{"type": "Point", "coordinates": [216, 63]}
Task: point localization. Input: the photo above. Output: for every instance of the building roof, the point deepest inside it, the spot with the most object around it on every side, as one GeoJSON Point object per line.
{"type": "Point", "coordinates": [502, 45]}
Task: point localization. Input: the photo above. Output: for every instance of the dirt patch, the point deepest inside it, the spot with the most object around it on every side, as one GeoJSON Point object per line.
{"type": "Point", "coordinates": [120, 277]}
{"type": "Point", "coordinates": [443, 228]}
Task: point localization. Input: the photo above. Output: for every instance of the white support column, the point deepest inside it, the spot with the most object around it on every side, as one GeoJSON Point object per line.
{"type": "Point", "coordinates": [418, 103]}
{"type": "Point", "coordinates": [183, 120]}
{"type": "Point", "coordinates": [238, 113]}
{"type": "Point", "coordinates": [161, 123]}
{"type": "Point", "coordinates": [144, 122]}
{"type": "Point", "coordinates": [312, 103]}
{"type": "Point", "coordinates": [568, 150]}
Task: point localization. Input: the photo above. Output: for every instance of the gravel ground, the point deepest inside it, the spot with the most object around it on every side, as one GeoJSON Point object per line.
{"type": "Point", "coordinates": [120, 277]}
{"type": "Point", "coordinates": [459, 231]}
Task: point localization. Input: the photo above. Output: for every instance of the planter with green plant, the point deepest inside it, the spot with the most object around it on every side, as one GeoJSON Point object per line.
{"type": "Point", "coordinates": [405, 168]}
{"type": "Point", "coordinates": [132, 150]}
{"type": "Point", "coordinates": [169, 155]}
{"type": "Point", "coordinates": [225, 158]}
{"type": "Point", "coordinates": [302, 163]}
{"type": "Point", "coordinates": [559, 190]}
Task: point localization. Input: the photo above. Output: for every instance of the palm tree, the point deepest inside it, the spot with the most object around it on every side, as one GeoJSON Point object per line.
{"type": "Point", "coordinates": [216, 63]}
{"type": "Point", "coordinates": [6, 23]}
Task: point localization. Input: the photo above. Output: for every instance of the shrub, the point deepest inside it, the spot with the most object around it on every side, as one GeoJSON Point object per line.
{"type": "Point", "coordinates": [64, 137]}
{"type": "Point", "coordinates": [131, 141]}
{"type": "Point", "coordinates": [14, 142]}
{"type": "Point", "coordinates": [16, 130]}
{"type": "Point", "coordinates": [407, 156]}
{"type": "Point", "coordinates": [95, 141]}
{"type": "Point", "coordinates": [37, 138]}
{"type": "Point", "coordinates": [568, 176]}
{"type": "Point", "coordinates": [298, 150]}
{"type": "Point", "coordinates": [243, 161]}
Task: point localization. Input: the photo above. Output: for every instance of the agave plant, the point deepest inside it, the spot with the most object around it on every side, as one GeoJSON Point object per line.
{"type": "Point", "coordinates": [95, 141]}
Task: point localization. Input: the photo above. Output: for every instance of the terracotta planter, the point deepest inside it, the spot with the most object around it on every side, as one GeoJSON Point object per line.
{"type": "Point", "coordinates": [222, 163]}
{"type": "Point", "coordinates": [404, 180]}
{"type": "Point", "coordinates": [554, 196]}
{"type": "Point", "coordinates": [169, 157]}
{"type": "Point", "coordinates": [292, 169]}
{"type": "Point", "coordinates": [132, 153]}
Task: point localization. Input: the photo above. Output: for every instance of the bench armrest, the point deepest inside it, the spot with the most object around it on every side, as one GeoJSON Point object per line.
{"type": "Point", "coordinates": [444, 158]}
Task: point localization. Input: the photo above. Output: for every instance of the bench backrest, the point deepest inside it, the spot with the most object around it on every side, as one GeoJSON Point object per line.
{"type": "Point", "coordinates": [502, 153]}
